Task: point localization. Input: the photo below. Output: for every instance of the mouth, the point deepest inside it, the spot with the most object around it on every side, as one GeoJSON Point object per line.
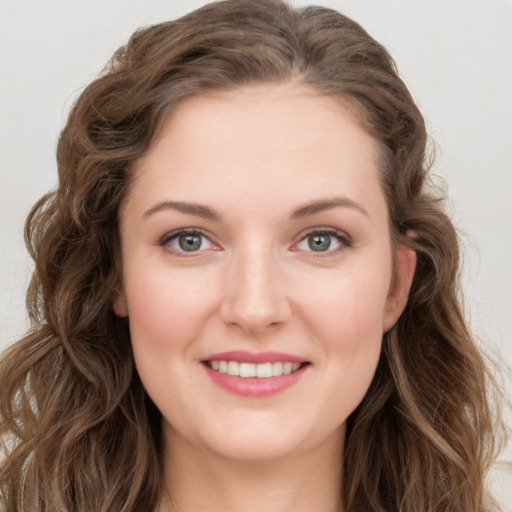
{"type": "Point", "coordinates": [251, 370]}
{"type": "Point", "coordinates": [255, 375]}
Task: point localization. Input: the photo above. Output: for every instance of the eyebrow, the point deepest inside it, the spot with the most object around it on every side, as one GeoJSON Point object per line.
{"type": "Point", "coordinates": [198, 210]}
{"type": "Point", "coordinates": [321, 205]}
{"type": "Point", "coordinates": [306, 210]}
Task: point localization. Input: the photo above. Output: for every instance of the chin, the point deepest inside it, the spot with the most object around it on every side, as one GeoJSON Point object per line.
{"type": "Point", "coordinates": [265, 441]}
{"type": "Point", "coordinates": [260, 450]}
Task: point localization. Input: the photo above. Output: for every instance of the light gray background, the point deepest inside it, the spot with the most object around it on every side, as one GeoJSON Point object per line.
{"type": "Point", "coordinates": [455, 55]}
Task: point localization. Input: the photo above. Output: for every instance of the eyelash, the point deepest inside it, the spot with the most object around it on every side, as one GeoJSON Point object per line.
{"type": "Point", "coordinates": [167, 238]}
{"type": "Point", "coordinates": [344, 240]}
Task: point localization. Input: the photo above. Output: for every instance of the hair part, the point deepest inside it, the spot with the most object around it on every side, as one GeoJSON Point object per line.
{"type": "Point", "coordinates": [79, 431]}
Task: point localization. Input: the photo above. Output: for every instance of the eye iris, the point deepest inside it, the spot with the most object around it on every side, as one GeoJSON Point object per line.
{"type": "Point", "coordinates": [319, 242]}
{"type": "Point", "coordinates": [189, 242]}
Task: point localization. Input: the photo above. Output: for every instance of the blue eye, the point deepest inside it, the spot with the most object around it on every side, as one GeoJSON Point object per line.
{"type": "Point", "coordinates": [186, 241]}
{"type": "Point", "coordinates": [319, 243]}
{"type": "Point", "coordinates": [324, 241]}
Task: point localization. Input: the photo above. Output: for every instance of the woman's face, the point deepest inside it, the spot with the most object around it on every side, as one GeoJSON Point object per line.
{"type": "Point", "coordinates": [255, 243]}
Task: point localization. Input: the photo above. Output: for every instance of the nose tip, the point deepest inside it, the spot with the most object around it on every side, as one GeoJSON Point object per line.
{"type": "Point", "coordinates": [255, 298]}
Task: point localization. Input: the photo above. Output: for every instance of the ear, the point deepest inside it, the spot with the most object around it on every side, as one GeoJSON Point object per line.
{"type": "Point", "coordinates": [119, 303]}
{"type": "Point", "coordinates": [400, 286]}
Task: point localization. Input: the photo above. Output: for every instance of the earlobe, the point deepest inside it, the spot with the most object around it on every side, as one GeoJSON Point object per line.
{"type": "Point", "coordinates": [119, 304]}
{"type": "Point", "coordinates": [400, 286]}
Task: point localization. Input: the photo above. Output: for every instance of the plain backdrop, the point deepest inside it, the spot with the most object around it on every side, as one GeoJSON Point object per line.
{"type": "Point", "coordinates": [455, 56]}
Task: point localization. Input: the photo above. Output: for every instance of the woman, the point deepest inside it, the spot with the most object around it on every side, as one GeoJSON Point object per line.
{"type": "Point", "coordinates": [245, 296]}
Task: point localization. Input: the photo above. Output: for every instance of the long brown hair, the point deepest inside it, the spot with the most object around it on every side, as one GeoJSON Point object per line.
{"type": "Point", "coordinates": [79, 431]}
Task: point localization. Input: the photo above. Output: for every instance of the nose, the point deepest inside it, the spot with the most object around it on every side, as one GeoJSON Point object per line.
{"type": "Point", "coordinates": [254, 297]}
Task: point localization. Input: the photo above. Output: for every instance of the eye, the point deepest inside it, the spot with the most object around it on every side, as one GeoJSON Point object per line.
{"type": "Point", "coordinates": [186, 241]}
{"type": "Point", "coordinates": [325, 240]}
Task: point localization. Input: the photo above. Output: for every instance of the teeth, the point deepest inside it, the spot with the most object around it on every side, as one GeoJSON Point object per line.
{"type": "Point", "coordinates": [262, 371]}
{"type": "Point", "coordinates": [277, 369]}
{"type": "Point", "coordinates": [233, 368]}
{"type": "Point", "coordinates": [287, 368]}
{"type": "Point", "coordinates": [247, 370]}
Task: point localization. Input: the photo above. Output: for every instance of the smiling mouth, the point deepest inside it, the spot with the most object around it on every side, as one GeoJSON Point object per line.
{"type": "Point", "coordinates": [250, 370]}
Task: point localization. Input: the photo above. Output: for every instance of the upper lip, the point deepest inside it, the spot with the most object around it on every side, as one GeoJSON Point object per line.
{"type": "Point", "coordinates": [242, 356]}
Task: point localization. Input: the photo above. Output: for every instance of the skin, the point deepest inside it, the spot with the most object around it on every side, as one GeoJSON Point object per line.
{"type": "Point", "coordinates": [254, 156]}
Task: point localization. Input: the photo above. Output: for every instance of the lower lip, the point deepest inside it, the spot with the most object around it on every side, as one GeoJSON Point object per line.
{"type": "Point", "coordinates": [253, 386]}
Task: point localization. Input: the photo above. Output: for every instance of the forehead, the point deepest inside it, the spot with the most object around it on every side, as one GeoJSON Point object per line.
{"type": "Point", "coordinates": [270, 143]}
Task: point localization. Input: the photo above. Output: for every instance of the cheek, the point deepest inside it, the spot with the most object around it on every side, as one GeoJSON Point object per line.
{"type": "Point", "coordinates": [349, 308]}
{"type": "Point", "coordinates": [164, 312]}
{"type": "Point", "coordinates": [346, 320]}
{"type": "Point", "coordinates": [165, 321]}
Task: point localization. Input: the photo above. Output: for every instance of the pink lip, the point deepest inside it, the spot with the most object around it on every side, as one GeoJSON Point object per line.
{"type": "Point", "coordinates": [255, 358]}
{"type": "Point", "coordinates": [253, 386]}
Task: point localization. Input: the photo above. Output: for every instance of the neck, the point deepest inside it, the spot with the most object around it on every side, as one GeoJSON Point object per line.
{"type": "Point", "coordinates": [197, 480]}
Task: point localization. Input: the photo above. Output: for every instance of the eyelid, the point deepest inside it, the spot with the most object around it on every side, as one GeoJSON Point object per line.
{"type": "Point", "coordinates": [344, 238]}
{"type": "Point", "coordinates": [165, 239]}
